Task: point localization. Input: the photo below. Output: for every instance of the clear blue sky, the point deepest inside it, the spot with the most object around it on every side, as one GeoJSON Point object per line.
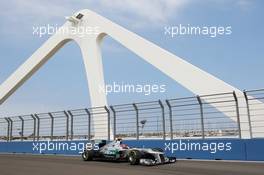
{"type": "Point", "coordinates": [61, 83]}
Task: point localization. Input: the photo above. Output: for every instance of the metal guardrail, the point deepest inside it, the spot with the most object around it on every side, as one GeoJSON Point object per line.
{"type": "Point", "coordinates": [254, 101]}
{"type": "Point", "coordinates": [189, 117]}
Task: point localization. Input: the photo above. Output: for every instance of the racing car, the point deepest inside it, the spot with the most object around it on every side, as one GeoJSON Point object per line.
{"type": "Point", "coordinates": [117, 151]}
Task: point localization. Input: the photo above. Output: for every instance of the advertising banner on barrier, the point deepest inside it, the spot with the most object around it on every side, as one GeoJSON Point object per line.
{"type": "Point", "coordinates": [215, 149]}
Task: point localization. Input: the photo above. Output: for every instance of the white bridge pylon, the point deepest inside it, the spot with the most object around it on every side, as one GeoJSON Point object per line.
{"type": "Point", "coordinates": [186, 74]}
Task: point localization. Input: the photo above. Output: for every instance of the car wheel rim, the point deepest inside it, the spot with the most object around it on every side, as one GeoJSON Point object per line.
{"type": "Point", "coordinates": [84, 156]}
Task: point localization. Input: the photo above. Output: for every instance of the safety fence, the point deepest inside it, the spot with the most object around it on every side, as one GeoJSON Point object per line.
{"type": "Point", "coordinates": [255, 112]}
{"type": "Point", "coordinates": [223, 115]}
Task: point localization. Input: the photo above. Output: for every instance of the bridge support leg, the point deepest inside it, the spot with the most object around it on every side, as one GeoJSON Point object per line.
{"type": "Point", "coordinates": [91, 52]}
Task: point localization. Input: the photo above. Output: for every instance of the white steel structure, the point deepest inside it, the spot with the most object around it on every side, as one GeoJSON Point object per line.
{"type": "Point", "coordinates": [188, 75]}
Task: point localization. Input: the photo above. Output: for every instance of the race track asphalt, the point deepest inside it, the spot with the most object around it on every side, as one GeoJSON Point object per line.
{"type": "Point", "coordinates": [61, 165]}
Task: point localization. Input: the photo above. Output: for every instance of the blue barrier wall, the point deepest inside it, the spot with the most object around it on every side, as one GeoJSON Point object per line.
{"type": "Point", "coordinates": [225, 149]}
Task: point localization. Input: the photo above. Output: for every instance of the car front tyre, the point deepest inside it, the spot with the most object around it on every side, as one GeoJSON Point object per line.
{"type": "Point", "coordinates": [87, 155]}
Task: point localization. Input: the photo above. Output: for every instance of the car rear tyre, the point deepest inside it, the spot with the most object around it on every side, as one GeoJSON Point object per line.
{"type": "Point", "coordinates": [87, 155]}
{"type": "Point", "coordinates": [134, 157]}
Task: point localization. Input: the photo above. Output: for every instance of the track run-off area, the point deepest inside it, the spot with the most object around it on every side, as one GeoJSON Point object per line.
{"type": "Point", "coordinates": [21, 164]}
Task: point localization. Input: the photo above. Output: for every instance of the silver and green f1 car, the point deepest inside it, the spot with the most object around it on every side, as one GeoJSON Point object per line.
{"type": "Point", "coordinates": [117, 151]}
